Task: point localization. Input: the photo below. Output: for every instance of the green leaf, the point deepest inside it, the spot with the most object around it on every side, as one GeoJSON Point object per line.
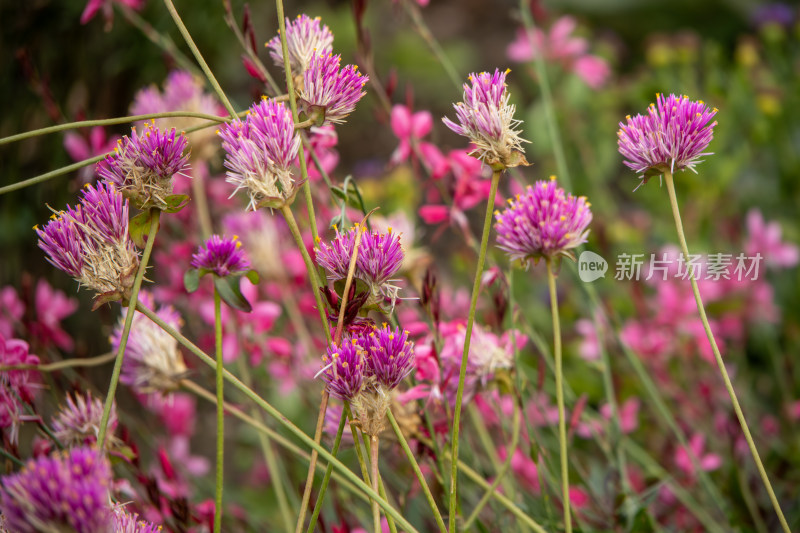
{"type": "Point", "coordinates": [139, 227]}
{"type": "Point", "coordinates": [228, 289]}
{"type": "Point", "coordinates": [252, 275]}
{"type": "Point", "coordinates": [191, 280]}
{"type": "Point", "coordinates": [176, 202]}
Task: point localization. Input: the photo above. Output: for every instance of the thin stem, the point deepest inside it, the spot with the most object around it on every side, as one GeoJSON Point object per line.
{"type": "Point", "coordinates": [324, 487]}
{"type": "Point", "coordinates": [200, 199]}
{"type": "Point", "coordinates": [301, 517]}
{"type": "Point", "coordinates": [234, 26]}
{"type": "Point", "coordinates": [424, 32]}
{"type": "Point", "coordinates": [376, 511]}
{"type": "Point", "coordinates": [476, 287]}
{"type": "Point", "coordinates": [673, 200]}
{"type": "Point", "coordinates": [354, 431]}
{"type": "Point", "coordinates": [562, 421]}
{"type": "Point", "coordinates": [126, 328]}
{"type": "Point", "coordinates": [198, 56]}
{"type": "Point", "coordinates": [66, 363]}
{"type": "Point", "coordinates": [411, 459]}
{"type": "Point", "coordinates": [281, 418]}
{"type": "Point", "coordinates": [220, 412]}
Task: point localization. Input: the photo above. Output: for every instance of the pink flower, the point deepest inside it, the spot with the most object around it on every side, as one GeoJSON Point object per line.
{"type": "Point", "coordinates": [410, 129]}
{"type": "Point", "coordinates": [93, 6]}
{"type": "Point", "coordinates": [524, 468]}
{"type": "Point", "coordinates": [593, 70]}
{"type": "Point", "coordinates": [11, 310]}
{"type": "Point", "coordinates": [83, 146]}
{"type": "Point", "coordinates": [16, 386]}
{"type": "Point", "coordinates": [628, 414]}
{"type": "Point", "coordinates": [765, 238]}
{"type": "Point", "coordinates": [52, 307]}
{"type": "Point", "coordinates": [708, 461]}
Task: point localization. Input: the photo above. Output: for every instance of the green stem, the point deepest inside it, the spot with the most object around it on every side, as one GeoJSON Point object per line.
{"type": "Point", "coordinates": [430, 40]}
{"type": "Point", "coordinates": [720, 363]}
{"type": "Point", "coordinates": [328, 470]}
{"type": "Point", "coordinates": [220, 412]}
{"type": "Point", "coordinates": [411, 459]}
{"type": "Point", "coordinates": [198, 56]}
{"type": "Point", "coordinates": [66, 363]}
{"type": "Point", "coordinates": [562, 421]}
{"type": "Point", "coordinates": [281, 418]}
{"type": "Point", "coordinates": [301, 516]}
{"type": "Point", "coordinates": [501, 472]}
{"type": "Point", "coordinates": [476, 287]}
{"type": "Point", "coordinates": [376, 511]}
{"type": "Point", "coordinates": [126, 328]}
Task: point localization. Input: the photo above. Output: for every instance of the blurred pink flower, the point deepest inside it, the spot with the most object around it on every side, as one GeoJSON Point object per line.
{"type": "Point", "coordinates": [628, 414]}
{"type": "Point", "coordinates": [593, 70]}
{"type": "Point", "coordinates": [765, 238]}
{"type": "Point", "coordinates": [409, 128]}
{"type": "Point", "coordinates": [93, 6]}
{"type": "Point", "coordinates": [11, 310]}
{"type": "Point", "coordinates": [52, 306]}
{"type": "Point", "coordinates": [524, 468]}
{"type": "Point", "coordinates": [82, 146]}
{"type": "Point", "coordinates": [706, 461]}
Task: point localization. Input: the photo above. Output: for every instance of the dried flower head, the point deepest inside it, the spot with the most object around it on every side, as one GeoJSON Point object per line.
{"type": "Point", "coordinates": [343, 372]}
{"type": "Point", "coordinates": [544, 221]}
{"type": "Point", "coordinates": [78, 422]}
{"type": "Point", "coordinates": [152, 362]}
{"type": "Point", "coordinates": [304, 36]}
{"type": "Point", "coordinates": [222, 256]}
{"type": "Point", "coordinates": [259, 152]}
{"type": "Point", "coordinates": [486, 118]}
{"type": "Point", "coordinates": [142, 166]}
{"type": "Point", "coordinates": [672, 136]}
{"type": "Point", "coordinates": [390, 356]}
{"type": "Point", "coordinates": [67, 491]}
{"type": "Point", "coordinates": [16, 386]}
{"type": "Point", "coordinates": [91, 243]}
{"type": "Point", "coordinates": [329, 90]}
{"type": "Point", "coordinates": [125, 522]}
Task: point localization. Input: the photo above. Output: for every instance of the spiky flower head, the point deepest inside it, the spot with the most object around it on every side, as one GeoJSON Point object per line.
{"type": "Point", "coordinates": [544, 221]}
{"type": "Point", "coordinates": [329, 91]}
{"type": "Point", "coordinates": [125, 522]}
{"type": "Point", "coordinates": [78, 422]}
{"type": "Point", "coordinates": [67, 491]}
{"type": "Point", "coordinates": [16, 386]}
{"type": "Point", "coordinates": [486, 118]}
{"type": "Point", "coordinates": [344, 368]}
{"type": "Point", "coordinates": [304, 36]}
{"type": "Point", "coordinates": [222, 256]}
{"type": "Point", "coordinates": [672, 136]}
{"type": "Point", "coordinates": [380, 256]}
{"type": "Point", "coordinates": [91, 243]}
{"type": "Point", "coordinates": [152, 361]}
{"type": "Point", "coordinates": [390, 355]}
{"type": "Point", "coordinates": [142, 166]}
{"type": "Point", "coordinates": [259, 152]}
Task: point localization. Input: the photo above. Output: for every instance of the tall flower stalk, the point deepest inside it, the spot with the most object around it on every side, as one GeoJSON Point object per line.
{"type": "Point", "coordinates": [674, 136]}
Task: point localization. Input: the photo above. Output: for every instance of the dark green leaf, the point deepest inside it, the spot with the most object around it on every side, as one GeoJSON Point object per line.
{"type": "Point", "coordinates": [139, 227]}
{"type": "Point", "coordinates": [228, 289]}
{"type": "Point", "coordinates": [252, 275]}
{"type": "Point", "coordinates": [191, 280]}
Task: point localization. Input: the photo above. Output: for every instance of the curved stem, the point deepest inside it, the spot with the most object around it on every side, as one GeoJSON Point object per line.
{"type": "Point", "coordinates": [126, 328]}
{"type": "Point", "coordinates": [66, 363]}
{"type": "Point", "coordinates": [281, 418]}
{"type": "Point", "coordinates": [476, 287]}
{"type": "Point", "coordinates": [301, 516]}
{"type": "Point", "coordinates": [376, 511]}
{"type": "Point", "coordinates": [562, 422]}
{"type": "Point", "coordinates": [718, 357]}
{"type": "Point", "coordinates": [324, 487]}
{"type": "Point", "coordinates": [198, 56]}
{"type": "Point", "coordinates": [411, 459]}
{"type": "Point", "coordinates": [220, 412]}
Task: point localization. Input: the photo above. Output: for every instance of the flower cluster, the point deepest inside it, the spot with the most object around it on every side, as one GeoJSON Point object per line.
{"type": "Point", "coordinates": [544, 221]}
{"type": "Point", "coordinates": [16, 386]}
{"type": "Point", "coordinates": [78, 422]}
{"type": "Point", "coordinates": [672, 136]}
{"type": "Point", "coordinates": [125, 522]}
{"type": "Point", "coordinates": [259, 152]}
{"type": "Point", "coordinates": [486, 118]}
{"type": "Point", "coordinates": [304, 37]}
{"type": "Point", "coordinates": [91, 243]}
{"type": "Point", "coordinates": [329, 91]}
{"type": "Point", "coordinates": [344, 369]}
{"type": "Point", "coordinates": [222, 256]}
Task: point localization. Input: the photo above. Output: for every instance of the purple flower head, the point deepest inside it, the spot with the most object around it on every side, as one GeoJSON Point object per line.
{"type": "Point", "coordinates": [125, 522]}
{"type": "Point", "coordinates": [222, 256]}
{"type": "Point", "coordinates": [344, 370]}
{"type": "Point", "coordinates": [91, 242]}
{"type": "Point", "coordinates": [390, 355]}
{"type": "Point", "coordinates": [329, 89]}
{"type": "Point", "coordinates": [486, 118]}
{"type": "Point", "coordinates": [544, 221]}
{"type": "Point", "coordinates": [152, 362]}
{"type": "Point", "coordinates": [304, 36]}
{"type": "Point", "coordinates": [16, 386]}
{"type": "Point", "coordinates": [672, 136]}
{"type": "Point", "coordinates": [78, 422]}
{"type": "Point", "coordinates": [64, 492]}
{"type": "Point", "coordinates": [259, 152]}
{"type": "Point", "coordinates": [142, 166]}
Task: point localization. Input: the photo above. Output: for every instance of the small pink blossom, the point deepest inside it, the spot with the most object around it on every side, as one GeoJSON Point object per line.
{"type": "Point", "coordinates": [706, 461]}
{"type": "Point", "coordinates": [81, 146]}
{"type": "Point", "coordinates": [52, 306]}
{"type": "Point", "coordinates": [765, 238]}
{"type": "Point", "coordinates": [93, 6]}
{"type": "Point", "coordinates": [11, 311]}
{"type": "Point", "coordinates": [409, 129]}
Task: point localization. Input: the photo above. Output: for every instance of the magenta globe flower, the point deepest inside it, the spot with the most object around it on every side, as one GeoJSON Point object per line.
{"type": "Point", "coordinates": [221, 256]}
{"type": "Point", "coordinates": [390, 355]}
{"type": "Point", "coordinates": [304, 37]}
{"type": "Point", "coordinates": [672, 136]}
{"type": "Point", "coordinates": [329, 90]}
{"type": "Point", "coordinates": [78, 422]}
{"type": "Point", "coordinates": [344, 368]}
{"type": "Point", "coordinates": [544, 221]}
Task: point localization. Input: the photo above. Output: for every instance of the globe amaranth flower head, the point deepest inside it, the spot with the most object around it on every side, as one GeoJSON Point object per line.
{"type": "Point", "coordinates": [125, 522]}
{"type": "Point", "coordinates": [91, 243]}
{"type": "Point", "coordinates": [304, 36]}
{"type": "Point", "coordinates": [67, 491]}
{"type": "Point", "coordinates": [544, 221]}
{"type": "Point", "coordinates": [390, 355]}
{"type": "Point", "coordinates": [486, 118]}
{"type": "Point", "coordinates": [328, 91]}
{"type": "Point", "coordinates": [259, 152]}
{"type": "Point", "coordinates": [16, 386]}
{"type": "Point", "coordinates": [222, 256]}
{"type": "Point", "coordinates": [142, 166]}
{"type": "Point", "coordinates": [344, 369]}
{"type": "Point", "coordinates": [152, 361]}
{"type": "Point", "coordinates": [78, 422]}
{"type": "Point", "coordinates": [672, 136]}
{"type": "Point", "coordinates": [380, 256]}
